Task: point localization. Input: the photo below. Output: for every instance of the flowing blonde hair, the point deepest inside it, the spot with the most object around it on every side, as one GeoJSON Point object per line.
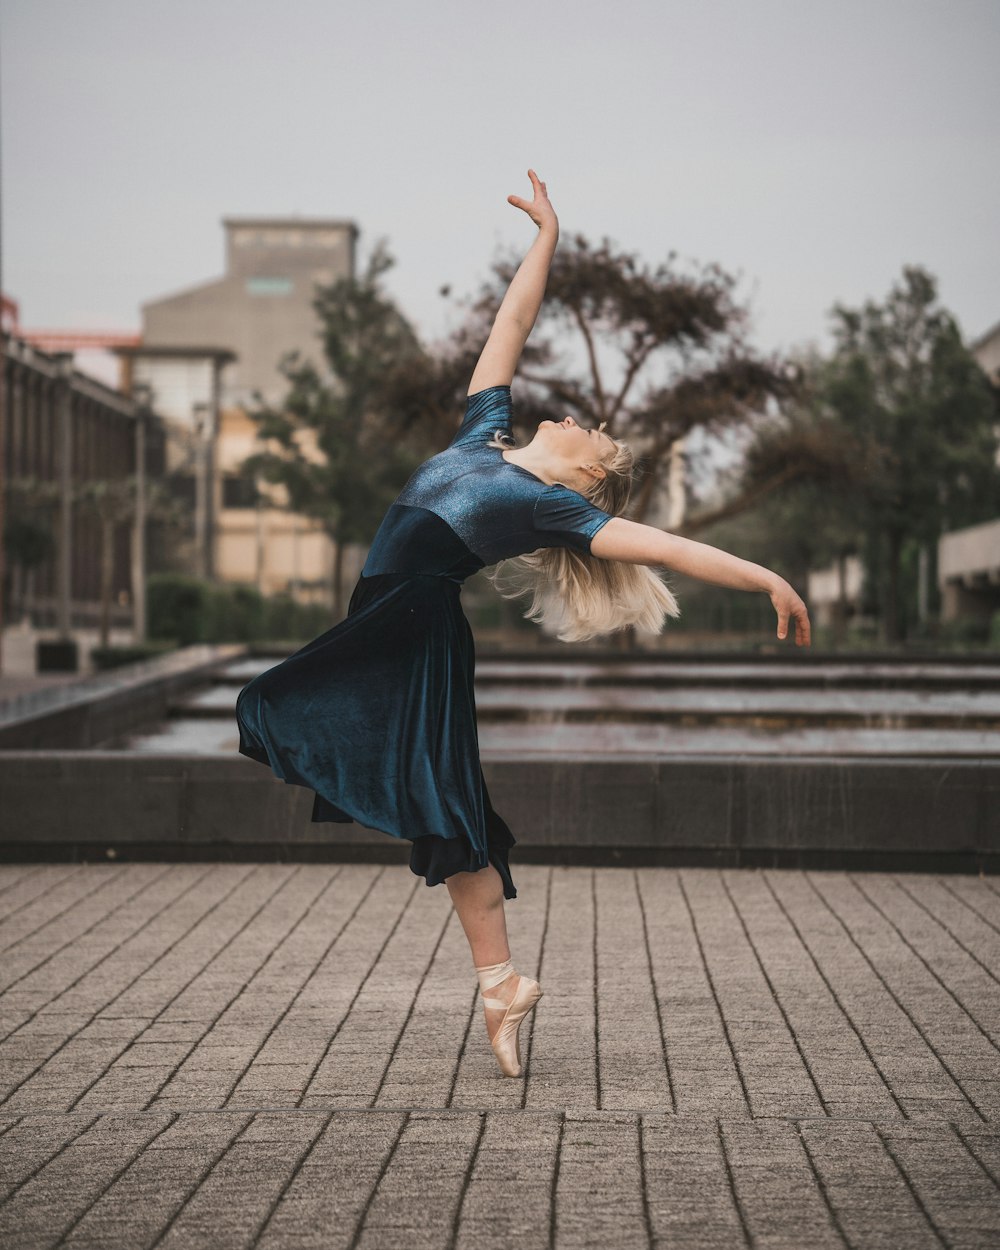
{"type": "Point", "coordinates": [577, 596]}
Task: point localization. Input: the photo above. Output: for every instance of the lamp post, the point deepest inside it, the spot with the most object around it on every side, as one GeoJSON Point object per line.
{"type": "Point", "coordinates": [142, 395]}
{"type": "Point", "coordinates": [62, 653]}
{"type": "Point", "coordinates": [201, 488]}
{"type": "Point", "coordinates": [65, 574]}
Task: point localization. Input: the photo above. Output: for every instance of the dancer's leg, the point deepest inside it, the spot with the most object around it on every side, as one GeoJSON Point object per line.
{"type": "Point", "coordinates": [478, 899]}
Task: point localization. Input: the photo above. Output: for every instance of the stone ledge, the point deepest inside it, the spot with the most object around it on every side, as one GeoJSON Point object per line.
{"type": "Point", "coordinates": [726, 810]}
{"type": "Point", "coordinates": [98, 708]}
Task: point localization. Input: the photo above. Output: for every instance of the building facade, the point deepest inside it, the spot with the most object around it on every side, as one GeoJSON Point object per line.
{"type": "Point", "coordinates": [262, 307]}
{"type": "Point", "coordinates": [63, 431]}
{"type": "Point", "coordinates": [986, 350]}
{"type": "Point", "coordinates": [248, 320]}
{"type": "Point", "coordinates": [184, 385]}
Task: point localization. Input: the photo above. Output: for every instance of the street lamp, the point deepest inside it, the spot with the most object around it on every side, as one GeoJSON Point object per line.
{"type": "Point", "coordinates": [142, 395]}
{"type": "Point", "coordinates": [201, 488]}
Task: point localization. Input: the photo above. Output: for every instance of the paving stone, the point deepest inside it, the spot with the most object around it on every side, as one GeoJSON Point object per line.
{"type": "Point", "coordinates": [106, 918]}
{"type": "Point", "coordinates": [295, 1056]}
{"type": "Point", "coordinates": [32, 1141]}
{"type": "Point", "coordinates": [688, 1191]}
{"type": "Point", "coordinates": [52, 1200]}
{"type": "Point", "coordinates": [141, 1204]}
{"type": "Point", "coordinates": [599, 1197]}
{"type": "Point", "coordinates": [958, 1196]}
{"type": "Point", "coordinates": [57, 904]}
{"type": "Point", "coordinates": [25, 882]}
{"type": "Point", "coordinates": [776, 1187]}
{"type": "Point", "coordinates": [517, 1158]}
{"type": "Point", "coordinates": [563, 1027]}
{"type": "Point", "coordinates": [236, 1198]}
{"type": "Point", "coordinates": [329, 1195]}
{"type": "Point", "coordinates": [870, 1198]}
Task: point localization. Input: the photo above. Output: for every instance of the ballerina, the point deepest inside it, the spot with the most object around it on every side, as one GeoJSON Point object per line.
{"type": "Point", "coordinates": [377, 715]}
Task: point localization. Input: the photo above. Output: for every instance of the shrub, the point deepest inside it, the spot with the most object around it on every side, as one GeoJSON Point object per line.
{"type": "Point", "coordinates": [966, 631]}
{"type": "Point", "coordinates": [177, 608]}
{"type": "Point", "coordinates": [235, 614]}
{"type": "Point", "coordinates": [104, 658]}
{"type": "Point", "coordinates": [286, 619]}
{"type": "Point", "coordinates": [187, 610]}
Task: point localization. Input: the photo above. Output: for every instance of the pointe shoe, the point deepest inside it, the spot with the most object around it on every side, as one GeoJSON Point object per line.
{"type": "Point", "coordinates": [506, 1042]}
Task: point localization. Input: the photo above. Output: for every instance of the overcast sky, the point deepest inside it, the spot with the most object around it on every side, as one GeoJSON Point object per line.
{"type": "Point", "coordinates": [811, 147]}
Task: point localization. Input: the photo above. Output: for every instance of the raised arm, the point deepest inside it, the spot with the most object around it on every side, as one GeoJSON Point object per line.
{"type": "Point", "coordinates": [519, 308]}
{"type": "Point", "coordinates": [643, 544]}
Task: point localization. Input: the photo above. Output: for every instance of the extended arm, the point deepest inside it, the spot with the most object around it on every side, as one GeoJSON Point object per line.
{"type": "Point", "coordinates": [643, 544]}
{"type": "Point", "coordinates": [519, 308]}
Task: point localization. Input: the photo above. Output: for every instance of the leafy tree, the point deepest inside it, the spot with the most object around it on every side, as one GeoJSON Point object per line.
{"type": "Point", "coordinates": [904, 385]}
{"type": "Point", "coordinates": [28, 538]}
{"type": "Point", "coordinates": [663, 353]}
{"type": "Point", "coordinates": [112, 503]}
{"type": "Point", "coordinates": [894, 442]}
{"type": "Point", "coordinates": [334, 444]}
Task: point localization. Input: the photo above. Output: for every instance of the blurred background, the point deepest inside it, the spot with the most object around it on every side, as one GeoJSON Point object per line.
{"type": "Point", "coordinates": [250, 253]}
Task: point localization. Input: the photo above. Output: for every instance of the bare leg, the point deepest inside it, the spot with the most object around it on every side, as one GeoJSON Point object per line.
{"type": "Point", "coordinates": [478, 899]}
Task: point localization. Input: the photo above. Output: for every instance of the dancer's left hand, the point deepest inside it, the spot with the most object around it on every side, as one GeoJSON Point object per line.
{"type": "Point", "coordinates": [788, 604]}
{"type": "Point", "coordinates": [538, 209]}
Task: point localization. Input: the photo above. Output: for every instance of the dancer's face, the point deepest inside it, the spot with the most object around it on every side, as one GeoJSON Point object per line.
{"type": "Point", "coordinates": [569, 448]}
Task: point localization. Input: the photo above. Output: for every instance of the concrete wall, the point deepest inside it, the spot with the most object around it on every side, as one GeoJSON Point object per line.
{"type": "Point", "coordinates": [823, 589]}
{"type": "Point", "coordinates": [969, 571]}
{"type": "Point", "coordinates": [819, 812]}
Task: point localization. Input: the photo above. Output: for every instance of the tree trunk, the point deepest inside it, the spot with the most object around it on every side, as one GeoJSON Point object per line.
{"type": "Point", "coordinates": [641, 506]}
{"type": "Point", "coordinates": [29, 596]}
{"type": "Point", "coordinates": [626, 639]}
{"type": "Point", "coordinates": [893, 621]}
{"type": "Point", "coordinates": [107, 575]}
{"type": "Point", "coordinates": [338, 578]}
{"type": "Point", "coordinates": [840, 612]}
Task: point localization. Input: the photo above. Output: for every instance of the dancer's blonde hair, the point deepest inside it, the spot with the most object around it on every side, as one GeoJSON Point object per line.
{"type": "Point", "coordinates": [577, 596]}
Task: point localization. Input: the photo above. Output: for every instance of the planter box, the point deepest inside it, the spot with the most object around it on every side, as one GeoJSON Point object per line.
{"type": "Point", "coordinates": [57, 655]}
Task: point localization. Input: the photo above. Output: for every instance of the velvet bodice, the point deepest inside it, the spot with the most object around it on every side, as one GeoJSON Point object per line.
{"type": "Point", "coordinates": [469, 507]}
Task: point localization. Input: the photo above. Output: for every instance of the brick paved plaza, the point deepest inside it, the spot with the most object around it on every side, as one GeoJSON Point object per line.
{"type": "Point", "coordinates": [292, 1055]}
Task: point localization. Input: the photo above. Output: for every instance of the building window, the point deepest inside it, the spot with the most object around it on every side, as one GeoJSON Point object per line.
{"type": "Point", "coordinates": [238, 492]}
{"type": "Point", "coordinates": [269, 286]}
{"type": "Point", "coordinates": [182, 487]}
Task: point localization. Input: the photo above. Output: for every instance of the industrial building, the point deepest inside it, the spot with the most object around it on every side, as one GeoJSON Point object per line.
{"type": "Point", "coordinates": [213, 351]}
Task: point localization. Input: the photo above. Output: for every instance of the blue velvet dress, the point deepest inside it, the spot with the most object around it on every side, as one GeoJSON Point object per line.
{"type": "Point", "coordinates": [377, 716]}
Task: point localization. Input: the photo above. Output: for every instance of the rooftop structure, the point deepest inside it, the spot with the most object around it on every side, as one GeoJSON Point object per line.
{"type": "Point", "coordinates": [262, 307]}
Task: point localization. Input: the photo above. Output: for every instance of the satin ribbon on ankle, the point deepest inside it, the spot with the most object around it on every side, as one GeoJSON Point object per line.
{"type": "Point", "coordinates": [493, 974]}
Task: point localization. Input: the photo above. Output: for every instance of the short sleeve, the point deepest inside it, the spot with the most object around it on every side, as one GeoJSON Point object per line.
{"type": "Point", "coordinates": [563, 518]}
{"type": "Point", "coordinates": [485, 413]}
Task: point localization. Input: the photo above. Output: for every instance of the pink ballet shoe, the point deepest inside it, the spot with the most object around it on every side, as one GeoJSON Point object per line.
{"type": "Point", "coordinates": [506, 1041]}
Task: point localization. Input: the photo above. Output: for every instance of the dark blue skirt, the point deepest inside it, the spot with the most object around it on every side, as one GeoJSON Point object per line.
{"type": "Point", "coordinates": [377, 716]}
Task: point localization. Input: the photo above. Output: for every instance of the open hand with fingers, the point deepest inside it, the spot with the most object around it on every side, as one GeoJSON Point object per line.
{"type": "Point", "coordinates": [539, 208]}
{"type": "Point", "coordinates": [788, 604]}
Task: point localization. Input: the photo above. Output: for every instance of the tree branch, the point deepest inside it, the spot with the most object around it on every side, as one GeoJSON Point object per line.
{"type": "Point", "coordinates": [635, 364]}
{"type": "Point", "coordinates": [747, 499]}
{"type": "Point", "coordinates": [592, 356]}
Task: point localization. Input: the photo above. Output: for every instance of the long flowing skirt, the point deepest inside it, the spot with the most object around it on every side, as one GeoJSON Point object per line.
{"type": "Point", "coordinates": [377, 716]}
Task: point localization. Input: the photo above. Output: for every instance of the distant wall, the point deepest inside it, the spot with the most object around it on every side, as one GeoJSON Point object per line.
{"type": "Point", "coordinates": [969, 571]}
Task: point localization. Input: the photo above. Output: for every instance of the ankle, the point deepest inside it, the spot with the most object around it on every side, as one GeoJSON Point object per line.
{"type": "Point", "coordinates": [493, 975]}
